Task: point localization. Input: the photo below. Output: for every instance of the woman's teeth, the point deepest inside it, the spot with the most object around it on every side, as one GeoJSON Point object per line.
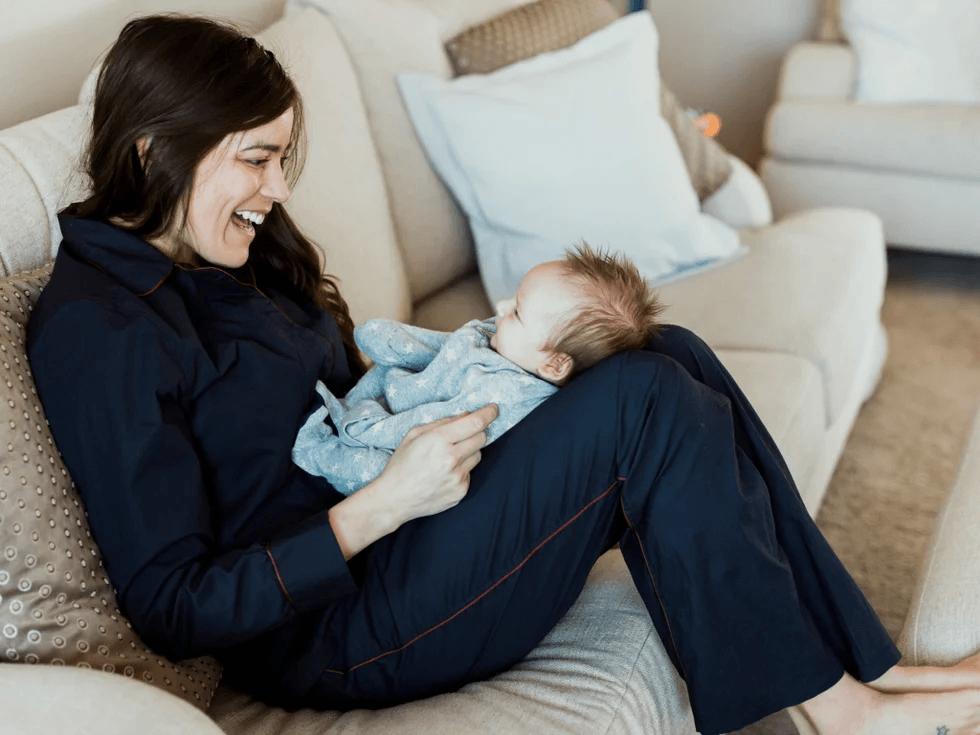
{"type": "Point", "coordinates": [254, 217]}
{"type": "Point", "coordinates": [243, 220]}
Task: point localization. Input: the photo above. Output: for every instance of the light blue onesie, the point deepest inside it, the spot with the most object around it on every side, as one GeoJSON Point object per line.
{"type": "Point", "coordinates": [419, 376]}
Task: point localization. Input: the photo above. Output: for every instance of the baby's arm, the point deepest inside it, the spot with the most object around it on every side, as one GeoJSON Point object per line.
{"type": "Point", "coordinates": [392, 343]}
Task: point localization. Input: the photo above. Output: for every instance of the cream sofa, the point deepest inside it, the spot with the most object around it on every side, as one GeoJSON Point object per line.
{"type": "Point", "coordinates": [916, 166]}
{"type": "Point", "coordinates": [797, 322]}
{"type": "Point", "coordinates": [941, 626]}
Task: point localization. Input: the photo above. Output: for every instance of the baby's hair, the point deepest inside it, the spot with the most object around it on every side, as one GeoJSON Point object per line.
{"type": "Point", "coordinates": [619, 310]}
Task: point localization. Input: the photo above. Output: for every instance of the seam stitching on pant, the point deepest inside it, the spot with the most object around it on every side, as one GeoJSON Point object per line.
{"type": "Point", "coordinates": [653, 584]}
{"type": "Point", "coordinates": [486, 592]}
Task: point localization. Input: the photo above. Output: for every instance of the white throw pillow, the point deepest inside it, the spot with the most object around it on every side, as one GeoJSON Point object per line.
{"type": "Point", "coordinates": [914, 50]}
{"type": "Point", "coordinates": [565, 146]}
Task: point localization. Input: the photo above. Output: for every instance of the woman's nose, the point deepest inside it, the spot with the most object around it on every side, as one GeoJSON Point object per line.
{"type": "Point", "coordinates": [274, 185]}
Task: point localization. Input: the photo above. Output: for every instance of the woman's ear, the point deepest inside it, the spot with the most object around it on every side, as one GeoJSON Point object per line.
{"type": "Point", "coordinates": [556, 368]}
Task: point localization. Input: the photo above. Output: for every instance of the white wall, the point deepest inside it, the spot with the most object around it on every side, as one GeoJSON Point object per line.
{"type": "Point", "coordinates": [44, 57]}
{"type": "Point", "coordinates": [717, 55]}
{"type": "Point", "coordinates": [724, 56]}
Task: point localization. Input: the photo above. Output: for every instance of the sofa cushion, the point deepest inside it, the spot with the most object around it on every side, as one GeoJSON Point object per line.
{"type": "Point", "coordinates": [58, 606]}
{"type": "Point", "coordinates": [533, 185]}
{"type": "Point", "coordinates": [602, 669]}
{"type": "Point", "coordinates": [38, 176]}
{"type": "Point", "coordinates": [383, 37]}
{"type": "Point", "coordinates": [927, 212]}
{"type": "Point", "coordinates": [933, 140]}
{"type": "Point", "coordinates": [941, 628]}
{"type": "Point", "coordinates": [526, 31]}
{"type": "Point", "coordinates": [812, 286]}
{"type": "Point", "coordinates": [453, 306]}
{"type": "Point", "coordinates": [914, 51]}
{"type": "Point", "coordinates": [550, 25]}
{"type": "Point", "coordinates": [340, 200]}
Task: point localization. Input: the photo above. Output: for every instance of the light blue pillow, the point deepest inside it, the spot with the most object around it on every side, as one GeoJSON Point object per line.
{"type": "Point", "coordinates": [566, 146]}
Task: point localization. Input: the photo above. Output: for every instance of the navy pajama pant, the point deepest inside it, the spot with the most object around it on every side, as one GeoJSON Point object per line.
{"type": "Point", "coordinates": [660, 451]}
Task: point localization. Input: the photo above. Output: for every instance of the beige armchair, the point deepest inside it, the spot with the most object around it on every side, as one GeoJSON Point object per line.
{"type": "Point", "coordinates": [916, 166]}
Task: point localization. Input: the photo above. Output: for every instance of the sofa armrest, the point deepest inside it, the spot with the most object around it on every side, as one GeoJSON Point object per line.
{"type": "Point", "coordinates": [815, 72]}
{"type": "Point", "coordinates": [40, 700]}
{"type": "Point", "coordinates": [742, 201]}
{"type": "Point", "coordinates": [942, 626]}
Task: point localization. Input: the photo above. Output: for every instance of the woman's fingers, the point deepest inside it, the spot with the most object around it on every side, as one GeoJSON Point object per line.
{"type": "Point", "coordinates": [469, 445]}
{"type": "Point", "coordinates": [467, 425]}
{"type": "Point", "coordinates": [426, 428]}
{"type": "Point", "coordinates": [470, 461]}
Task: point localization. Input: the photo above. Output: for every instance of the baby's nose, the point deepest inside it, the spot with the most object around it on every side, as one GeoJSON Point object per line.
{"type": "Point", "coordinates": [505, 307]}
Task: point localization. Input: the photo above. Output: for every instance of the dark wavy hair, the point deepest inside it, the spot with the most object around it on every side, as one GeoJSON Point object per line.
{"type": "Point", "coordinates": [183, 84]}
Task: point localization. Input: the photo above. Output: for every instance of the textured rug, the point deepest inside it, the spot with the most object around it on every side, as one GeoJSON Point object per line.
{"type": "Point", "coordinates": [904, 450]}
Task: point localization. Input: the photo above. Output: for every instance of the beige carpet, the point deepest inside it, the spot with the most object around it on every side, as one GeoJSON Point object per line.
{"type": "Point", "coordinates": [904, 450]}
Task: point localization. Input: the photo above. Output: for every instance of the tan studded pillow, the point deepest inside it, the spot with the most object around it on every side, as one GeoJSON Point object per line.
{"type": "Point", "coordinates": [550, 25]}
{"type": "Point", "coordinates": [56, 603]}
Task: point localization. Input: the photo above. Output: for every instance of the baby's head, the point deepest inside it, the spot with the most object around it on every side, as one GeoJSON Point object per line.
{"type": "Point", "coordinates": [569, 314]}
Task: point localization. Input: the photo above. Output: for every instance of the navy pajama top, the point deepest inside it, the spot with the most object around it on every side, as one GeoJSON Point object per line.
{"type": "Point", "coordinates": [174, 395]}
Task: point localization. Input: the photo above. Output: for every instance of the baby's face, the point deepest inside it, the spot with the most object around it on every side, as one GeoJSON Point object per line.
{"type": "Point", "coordinates": [526, 321]}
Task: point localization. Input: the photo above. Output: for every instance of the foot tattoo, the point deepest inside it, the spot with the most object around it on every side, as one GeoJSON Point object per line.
{"type": "Point", "coordinates": [942, 730]}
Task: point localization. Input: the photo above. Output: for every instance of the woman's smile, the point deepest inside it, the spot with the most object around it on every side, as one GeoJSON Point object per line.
{"type": "Point", "coordinates": [235, 188]}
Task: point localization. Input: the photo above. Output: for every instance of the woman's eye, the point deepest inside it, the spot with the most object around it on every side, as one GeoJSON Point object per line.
{"type": "Point", "coordinates": [258, 161]}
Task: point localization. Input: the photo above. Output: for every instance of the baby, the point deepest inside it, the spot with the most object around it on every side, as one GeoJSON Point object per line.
{"type": "Point", "coordinates": [567, 315]}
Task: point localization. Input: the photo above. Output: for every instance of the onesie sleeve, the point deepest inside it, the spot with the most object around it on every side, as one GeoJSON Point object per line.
{"type": "Point", "coordinates": [111, 391]}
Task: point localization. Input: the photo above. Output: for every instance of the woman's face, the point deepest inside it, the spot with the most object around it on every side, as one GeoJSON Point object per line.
{"type": "Point", "coordinates": [234, 189]}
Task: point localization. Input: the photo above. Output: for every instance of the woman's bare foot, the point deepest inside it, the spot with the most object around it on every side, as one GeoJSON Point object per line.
{"type": "Point", "coordinates": [851, 708]}
{"type": "Point", "coordinates": [964, 675]}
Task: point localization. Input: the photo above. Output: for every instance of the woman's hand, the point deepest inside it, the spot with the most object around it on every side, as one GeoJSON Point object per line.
{"type": "Point", "coordinates": [428, 473]}
{"type": "Point", "coordinates": [430, 470]}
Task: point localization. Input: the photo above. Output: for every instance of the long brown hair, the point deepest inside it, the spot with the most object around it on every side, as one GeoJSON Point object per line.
{"type": "Point", "coordinates": [182, 84]}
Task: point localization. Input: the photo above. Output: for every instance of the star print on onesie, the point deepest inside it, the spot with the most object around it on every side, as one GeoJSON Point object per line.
{"type": "Point", "coordinates": [419, 376]}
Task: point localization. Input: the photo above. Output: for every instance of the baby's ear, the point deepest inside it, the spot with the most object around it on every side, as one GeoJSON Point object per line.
{"type": "Point", "coordinates": [556, 368]}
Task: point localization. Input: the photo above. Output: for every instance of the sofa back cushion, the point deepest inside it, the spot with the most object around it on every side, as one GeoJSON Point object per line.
{"type": "Point", "coordinates": [383, 38]}
{"type": "Point", "coordinates": [38, 176]}
{"type": "Point", "coordinates": [340, 200]}
{"type": "Point", "coordinates": [526, 31]}
{"type": "Point", "coordinates": [57, 605]}
{"type": "Point", "coordinates": [551, 25]}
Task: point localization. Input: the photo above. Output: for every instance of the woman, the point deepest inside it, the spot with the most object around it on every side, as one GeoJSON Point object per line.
{"type": "Point", "coordinates": [176, 349]}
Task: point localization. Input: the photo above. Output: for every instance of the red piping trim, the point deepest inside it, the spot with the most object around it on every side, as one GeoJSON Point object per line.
{"type": "Point", "coordinates": [275, 567]}
{"type": "Point", "coordinates": [486, 592]}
